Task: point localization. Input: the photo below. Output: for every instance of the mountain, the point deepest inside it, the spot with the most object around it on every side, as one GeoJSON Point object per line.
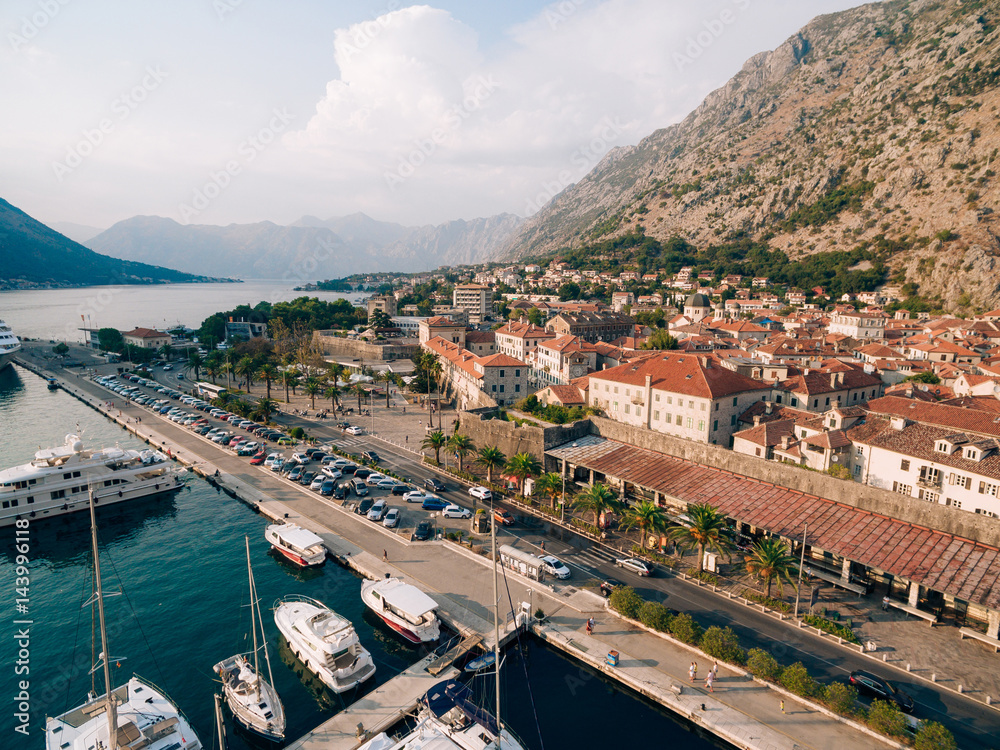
{"type": "Point", "coordinates": [309, 250]}
{"type": "Point", "coordinates": [76, 232]}
{"type": "Point", "coordinates": [874, 127]}
{"type": "Point", "coordinates": [32, 254]}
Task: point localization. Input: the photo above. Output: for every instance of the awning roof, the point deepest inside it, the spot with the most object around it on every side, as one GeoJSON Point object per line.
{"type": "Point", "coordinates": [406, 598]}
{"type": "Point", "coordinates": [965, 569]}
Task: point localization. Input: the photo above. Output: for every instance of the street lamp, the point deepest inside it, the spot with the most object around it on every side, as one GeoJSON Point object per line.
{"type": "Point", "coordinates": [802, 559]}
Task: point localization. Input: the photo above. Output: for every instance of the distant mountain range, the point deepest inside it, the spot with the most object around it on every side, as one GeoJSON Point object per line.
{"type": "Point", "coordinates": [34, 255]}
{"type": "Point", "coordinates": [308, 250]}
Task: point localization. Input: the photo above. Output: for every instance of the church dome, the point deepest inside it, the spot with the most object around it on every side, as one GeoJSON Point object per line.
{"type": "Point", "coordinates": [698, 300]}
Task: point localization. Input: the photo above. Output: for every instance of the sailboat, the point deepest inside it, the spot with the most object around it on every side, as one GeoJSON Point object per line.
{"type": "Point", "coordinates": [448, 718]}
{"type": "Point", "coordinates": [134, 715]}
{"type": "Point", "coordinates": [252, 699]}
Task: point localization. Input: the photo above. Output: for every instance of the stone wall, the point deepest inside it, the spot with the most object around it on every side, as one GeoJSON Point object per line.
{"type": "Point", "coordinates": [364, 351]}
{"type": "Point", "coordinates": [510, 438]}
{"type": "Point", "coordinates": [909, 509]}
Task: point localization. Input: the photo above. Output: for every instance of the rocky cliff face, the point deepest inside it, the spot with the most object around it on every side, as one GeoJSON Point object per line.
{"type": "Point", "coordinates": [874, 127]}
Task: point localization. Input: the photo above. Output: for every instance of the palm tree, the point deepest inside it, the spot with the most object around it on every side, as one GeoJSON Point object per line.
{"type": "Point", "coordinates": [522, 466]}
{"type": "Point", "coordinates": [358, 390]}
{"type": "Point", "coordinates": [705, 529]}
{"type": "Point", "coordinates": [435, 369]}
{"type": "Point", "coordinates": [292, 380]}
{"type": "Point", "coordinates": [598, 499]}
{"type": "Point", "coordinates": [648, 516]}
{"type": "Point", "coordinates": [462, 445]}
{"type": "Point", "coordinates": [269, 373]}
{"type": "Point", "coordinates": [213, 365]}
{"type": "Point", "coordinates": [286, 372]}
{"type": "Point", "coordinates": [195, 362]}
{"type": "Point", "coordinates": [770, 561]}
{"type": "Point", "coordinates": [491, 458]}
{"type": "Point", "coordinates": [312, 388]}
{"type": "Point", "coordinates": [264, 409]}
{"type": "Point", "coordinates": [550, 486]}
{"type": "Point", "coordinates": [332, 392]}
{"type": "Point", "coordinates": [166, 350]}
{"type": "Point", "coordinates": [435, 441]}
{"type": "Point", "coordinates": [247, 369]}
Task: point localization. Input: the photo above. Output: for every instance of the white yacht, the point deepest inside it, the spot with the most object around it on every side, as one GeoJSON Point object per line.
{"type": "Point", "coordinates": [58, 480]}
{"type": "Point", "coordinates": [403, 607]}
{"type": "Point", "coordinates": [299, 545]}
{"type": "Point", "coordinates": [324, 641]}
{"type": "Point", "coordinates": [252, 699]}
{"type": "Point", "coordinates": [9, 345]}
{"type": "Point", "coordinates": [135, 715]}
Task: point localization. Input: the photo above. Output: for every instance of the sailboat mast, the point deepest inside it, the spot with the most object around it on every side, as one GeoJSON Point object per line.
{"type": "Point", "coordinates": [105, 656]}
{"type": "Point", "coordinates": [253, 615]}
{"type": "Point", "coordinates": [220, 724]}
{"type": "Point", "coordinates": [496, 627]}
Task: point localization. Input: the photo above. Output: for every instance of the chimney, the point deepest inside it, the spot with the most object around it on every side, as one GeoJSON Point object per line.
{"type": "Point", "coordinates": [756, 420]}
{"type": "Point", "coordinates": [767, 407]}
{"type": "Point", "coordinates": [784, 442]}
{"type": "Point", "coordinates": [833, 379]}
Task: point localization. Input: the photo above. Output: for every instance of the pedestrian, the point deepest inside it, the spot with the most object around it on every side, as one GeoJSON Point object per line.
{"type": "Point", "coordinates": [715, 670]}
{"type": "Point", "coordinates": [591, 624]}
{"type": "Point", "coordinates": [885, 603]}
{"type": "Point", "coordinates": [404, 410]}
{"type": "Point", "coordinates": [407, 439]}
{"type": "Point", "coordinates": [708, 682]}
{"type": "Point", "coordinates": [782, 706]}
{"type": "Point", "coordinates": [385, 556]}
{"type": "Point", "coordinates": [543, 546]}
{"type": "Point", "coordinates": [693, 671]}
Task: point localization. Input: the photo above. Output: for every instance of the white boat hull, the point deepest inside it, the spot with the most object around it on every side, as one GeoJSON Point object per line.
{"type": "Point", "coordinates": [426, 631]}
{"type": "Point", "coordinates": [257, 710]}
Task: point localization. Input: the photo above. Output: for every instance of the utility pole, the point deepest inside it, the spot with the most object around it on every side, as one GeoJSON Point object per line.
{"type": "Point", "coordinates": [802, 560]}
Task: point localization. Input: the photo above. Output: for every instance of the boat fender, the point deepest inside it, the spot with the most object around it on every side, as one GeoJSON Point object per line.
{"type": "Point", "coordinates": [156, 486]}
{"type": "Point", "coordinates": [119, 494]}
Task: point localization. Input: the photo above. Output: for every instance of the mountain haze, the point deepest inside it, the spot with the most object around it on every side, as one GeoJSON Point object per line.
{"type": "Point", "coordinates": [873, 127]}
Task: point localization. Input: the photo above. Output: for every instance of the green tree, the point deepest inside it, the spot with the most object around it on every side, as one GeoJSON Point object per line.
{"type": "Point", "coordinates": [660, 339]}
{"type": "Point", "coordinates": [213, 365]}
{"type": "Point", "coordinates": [797, 679]}
{"type": "Point", "coordinates": [840, 697]}
{"type": "Point", "coordinates": [110, 339]}
{"type": "Point", "coordinates": [934, 736]}
{"type": "Point", "coordinates": [597, 499]}
{"type": "Point", "coordinates": [312, 388]}
{"type": "Point", "coordinates": [923, 377]}
{"type": "Point", "coordinates": [492, 459]}
{"type": "Point", "coordinates": [461, 446]}
{"type": "Point", "coordinates": [549, 486]}
{"type": "Point", "coordinates": [246, 368]}
{"type": "Point", "coordinates": [264, 410]}
{"type": "Point", "coordinates": [705, 529]}
{"type": "Point", "coordinates": [648, 517]}
{"type": "Point", "coordinates": [655, 615]}
{"type": "Point", "coordinates": [194, 363]}
{"type": "Point", "coordinates": [885, 717]}
{"type": "Point", "coordinates": [535, 317]}
{"type": "Point", "coordinates": [435, 442]}
{"type": "Point", "coordinates": [723, 643]}
{"type": "Point", "coordinates": [762, 664]}
{"type": "Point", "coordinates": [380, 319]}
{"type": "Point", "coordinates": [268, 373]}
{"type": "Point", "coordinates": [625, 601]}
{"type": "Point", "coordinates": [684, 628]}
{"type": "Point", "coordinates": [332, 392]}
{"type": "Point", "coordinates": [569, 291]}
{"type": "Point", "coordinates": [359, 390]}
{"type": "Point", "coordinates": [165, 351]}
{"type": "Point", "coordinates": [61, 349]}
{"type": "Point", "coordinates": [521, 466]}
{"type": "Point", "coordinates": [769, 561]}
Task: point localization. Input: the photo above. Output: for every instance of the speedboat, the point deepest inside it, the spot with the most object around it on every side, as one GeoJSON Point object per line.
{"type": "Point", "coordinates": [324, 641]}
{"type": "Point", "coordinates": [403, 607]}
{"type": "Point", "coordinates": [299, 545]}
{"type": "Point", "coordinates": [10, 345]}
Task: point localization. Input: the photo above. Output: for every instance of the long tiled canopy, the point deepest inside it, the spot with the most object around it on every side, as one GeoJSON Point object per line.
{"type": "Point", "coordinates": [968, 570]}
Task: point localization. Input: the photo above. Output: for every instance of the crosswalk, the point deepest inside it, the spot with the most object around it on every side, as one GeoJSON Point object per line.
{"type": "Point", "coordinates": [592, 556]}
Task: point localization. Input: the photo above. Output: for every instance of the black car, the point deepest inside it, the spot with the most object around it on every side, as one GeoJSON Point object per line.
{"type": "Point", "coordinates": [424, 531]}
{"type": "Point", "coordinates": [311, 452]}
{"type": "Point", "coordinates": [340, 491]}
{"type": "Point", "coordinates": [362, 473]}
{"type": "Point", "coordinates": [307, 478]}
{"type": "Point", "coordinates": [872, 684]}
{"type": "Point", "coordinates": [401, 489]}
{"type": "Point", "coordinates": [364, 506]}
{"type": "Point", "coordinates": [371, 457]}
{"type": "Point", "coordinates": [434, 485]}
{"type": "Point", "coordinates": [318, 456]}
{"type": "Point", "coordinates": [608, 586]}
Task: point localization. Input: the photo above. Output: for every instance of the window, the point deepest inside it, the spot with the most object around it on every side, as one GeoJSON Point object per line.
{"type": "Point", "coordinates": [954, 503]}
{"type": "Point", "coordinates": [857, 470]}
{"type": "Point", "coordinates": [638, 411]}
{"type": "Point", "coordinates": [931, 497]}
{"type": "Point", "coordinates": [987, 489]}
{"type": "Point", "coordinates": [795, 401]}
{"type": "Point", "coordinates": [690, 404]}
{"type": "Point", "coordinates": [656, 396]}
{"type": "Point", "coordinates": [616, 389]}
{"type": "Point", "coordinates": [494, 388]}
{"type": "Point", "coordinates": [902, 489]}
{"type": "Point", "coordinates": [627, 408]}
{"type": "Point", "coordinates": [690, 423]}
{"type": "Point", "coordinates": [777, 398]}
{"type": "Point", "coordinates": [827, 401]}
{"type": "Point", "coordinates": [670, 399]}
{"type": "Point", "coordinates": [960, 480]}
{"type": "Point", "coordinates": [758, 452]}
{"type": "Point", "coordinates": [517, 388]}
{"type": "Point", "coordinates": [616, 406]}
{"type": "Point", "coordinates": [501, 374]}
{"type": "Point", "coordinates": [517, 373]}
{"type": "Point", "coordinates": [732, 421]}
{"type": "Point", "coordinates": [57, 495]}
{"type": "Point", "coordinates": [861, 450]}
{"type": "Point", "coordinates": [734, 400]}
{"type": "Point", "coordinates": [703, 406]}
{"type": "Point", "coordinates": [715, 425]}
{"type": "Point", "coordinates": [607, 388]}
{"type": "Point", "coordinates": [656, 416]}
{"type": "Point", "coordinates": [701, 425]}
{"type": "Point", "coordinates": [716, 405]}
{"type": "Point", "coordinates": [815, 403]}
{"type": "Point", "coordinates": [501, 388]}
{"type": "Point", "coordinates": [904, 465]}
{"type": "Point", "coordinates": [679, 420]}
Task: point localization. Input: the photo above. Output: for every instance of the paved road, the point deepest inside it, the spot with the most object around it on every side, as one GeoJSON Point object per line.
{"type": "Point", "coordinates": [974, 725]}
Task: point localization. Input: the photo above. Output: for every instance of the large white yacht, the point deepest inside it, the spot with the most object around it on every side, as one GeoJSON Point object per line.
{"type": "Point", "coordinates": [9, 345]}
{"type": "Point", "coordinates": [57, 480]}
{"type": "Point", "coordinates": [404, 608]}
{"type": "Point", "coordinates": [325, 642]}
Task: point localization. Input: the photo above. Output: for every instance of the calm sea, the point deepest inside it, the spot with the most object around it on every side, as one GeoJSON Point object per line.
{"type": "Point", "coordinates": [55, 313]}
{"type": "Point", "coordinates": [181, 565]}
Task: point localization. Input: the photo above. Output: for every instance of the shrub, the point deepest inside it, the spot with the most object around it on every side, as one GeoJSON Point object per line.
{"type": "Point", "coordinates": [885, 717]}
{"type": "Point", "coordinates": [297, 432]}
{"type": "Point", "coordinates": [723, 643]}
{"type": "Point", "coordinates": [767, 601]}
{"type": "Point", "coordinates": [840, 697]}
{"type": "Point", "coordinates": [797, 679]}
{"type": "Point", "coordinates": [704, 576]}
{"type": "Point", "coordinates": [933, 736]}
{"type": "Point", "coordinates": [684, 628]}
{"type": "Point", "coordinates": [831, 627]}
{"type": "Point", "coordinates": [762, 664]}
{"type": "Point", "coordinates": [590, 529]}
{"type": "Point", "coordinates": [656, 616]}
{"type": "Point", "coordinates": [626, 602]}
{"type": "Point", "coordinates": [664, 560]}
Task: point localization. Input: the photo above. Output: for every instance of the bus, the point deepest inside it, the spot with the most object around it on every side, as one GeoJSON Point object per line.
{"type": "Point", "coordinates": [209, 391]}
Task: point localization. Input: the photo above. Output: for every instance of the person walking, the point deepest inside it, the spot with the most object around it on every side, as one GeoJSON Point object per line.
{"type": "Point", "coordinates": [693, 670]}
{"type": "Point", "coordinates": [590, 628]}
{"type": "Point", "coordinates": [591, 623]}
{"type": "Point", "coordinates": [708, 682]}
{"type": "Point", "coordinates": [385, 556]}
{"type": "Point", "coordinates": [715, 670]}
{"type": "Point", "coordinates": [782, 705]}
{"type": "Point", "coordinates": [885, 603]}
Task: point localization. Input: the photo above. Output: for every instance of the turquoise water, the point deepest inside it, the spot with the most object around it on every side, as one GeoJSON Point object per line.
{"type": "Point", "coordinates": [182, 566]}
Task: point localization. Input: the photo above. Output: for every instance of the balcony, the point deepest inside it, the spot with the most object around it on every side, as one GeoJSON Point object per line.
{"type": "Point", "coordinates": [933, 483]}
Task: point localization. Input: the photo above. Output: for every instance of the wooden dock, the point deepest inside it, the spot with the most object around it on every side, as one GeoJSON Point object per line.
{"type": "Point", "coordinates": [376, 712]}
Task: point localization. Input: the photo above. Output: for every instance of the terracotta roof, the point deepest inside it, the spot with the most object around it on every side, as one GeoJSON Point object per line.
{"type": "Point", "coordinates": [568, 395]}
{"type": "Point", "coordinates": [768, 434]}
{"type": "Point", "coordinates": [500, 360]}
{"type": "Point", "coordinates": [688, 374]}
{"type": "Point", "coordinates": [981, 403]}
{"type": "Point", "coordinates": [524, 331]}
{"type": "Point", "coordinates": [146, 333]}
{"type": "Point", "coordinates": [441, 320]}
{"type": "Point", "coordinates": [943, 562]}
{"type": "Point", "coordinates": [832, 439]}
{"type": "Point", "coordinates": [480, 337]}
{"type": "Point", "coordinates": [940, 415]}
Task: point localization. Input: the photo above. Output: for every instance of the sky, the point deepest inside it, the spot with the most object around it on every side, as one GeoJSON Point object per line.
{"type": "Point", "coordinates": [239, 111]}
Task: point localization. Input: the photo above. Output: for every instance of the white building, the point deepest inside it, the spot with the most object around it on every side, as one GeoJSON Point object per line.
{"type": "Point", "coordinates": [476, 298]}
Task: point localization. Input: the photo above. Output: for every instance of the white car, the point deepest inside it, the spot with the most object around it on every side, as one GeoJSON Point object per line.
{"type": "Point", "coordinates": [375, 478]}
{"type": "Point", "coordinates": [332, 473]}
{"type": "Point", "coordinates": [317, 483]}
{"type": "Point", "coordinates": [554, 567]}
{"type": "Point", "coordinates": [481, 493]}
{"type": "Point", "coordinates": [456, 511]}
{"type": "Point", "coordinates": [391, 519]}
{"type": "Point", "coordinates": [635, 565]}
{"type": "Point", "coordinates": [300, 458]}
{"type": "Point", "coordinates": [378, 510]}
{"type": "Point", "coordinates": [354, 430]}
{"type": "Point", "coordinates": [385, 484]}
{"type": "Point", "coordinates": [269, 461]}
{"type": "Point", "coordinates": [417, 496]}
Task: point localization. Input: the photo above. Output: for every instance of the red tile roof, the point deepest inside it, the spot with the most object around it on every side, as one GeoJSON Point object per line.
{"type": "Point", "coordinates": [940, 415]}
{"type": "Point", "coordinates": [688, 374]}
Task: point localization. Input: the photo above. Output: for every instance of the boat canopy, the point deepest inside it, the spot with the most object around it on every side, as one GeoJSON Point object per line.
{"type": "Point", "coordinates": [296, 536]}
{"type": "Point", "coordinates": [407, 598]}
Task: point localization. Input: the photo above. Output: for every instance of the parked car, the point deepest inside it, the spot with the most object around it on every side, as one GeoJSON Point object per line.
{"type": "Point", "coordinates": [258, 459]}
{"type": "Point", "coordinates": [331, 472]}
{"type": "Point", "coordinates": [391, 519]}
{"type": "Point", "coordinates": [378, 511]}
{"type": "Point", "coordinates": [481, 493]}
{"type": "Point", "coordinates": [311, 452]}
{"type": "Point", "coordinates": [361, 472]}
{"type": "Point", "coordinates": [424, 531]}
{"type": "Point", "coordinates": [354, 430]}
{"type": "Point", "coordinates": [456, 511]}
{"type": "Point", "coordinates": [416, 496]}
{"type": "Point", "coordinates": [300, 458]}
{"type": "Point", "coordinates": [635, 565]}
{"type": "Point", "coordinates": [872, 684]}
{"type": "Point", "coordinates": [371, 457]}
{"type": "Point", "coordinates": [608, 585]}
{"type": "Point", "coordinates": [359, 486]}
{"type": "Point", "coordinates": [326, 489]}
{"type": "Point", "coordinates": [434, 484]}
{"type": "Point", "coordinates": [296, 473]}
{"type": "Point", "coordinates": [317, 484]}
{"type": "Point", "coordinates": [340, 491]}
{"type": "Point", "coordinates": [386, 484]}
{"type": "Point", "coordinates": [278, 464]}
{"type": "Point", "coordinates": [434, 503]}
{"type": "Point", "coordinates": [269, 461]}
{"type": "Point", "coordinates": [503, 517]}
{"type": "Point", "coordinates": [401, 489]}
{"type": "Point", "coordinates": [554, 567]}
{"type": "Point", "coordinates": [364, 506]}
{"type": "Point", "coordinates": [308, 477]}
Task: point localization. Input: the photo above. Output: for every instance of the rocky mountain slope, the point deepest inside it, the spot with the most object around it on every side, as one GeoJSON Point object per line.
{"type": "Point", "coordinates": [875, 127]}
{"type": "Point", "coordinates": [32, 254]}
{"type": "Point", "coordinates": [308, 250]}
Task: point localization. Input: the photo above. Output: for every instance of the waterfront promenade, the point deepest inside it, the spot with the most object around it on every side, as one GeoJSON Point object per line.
{"type": "Point", "coordinates": [745, 712]}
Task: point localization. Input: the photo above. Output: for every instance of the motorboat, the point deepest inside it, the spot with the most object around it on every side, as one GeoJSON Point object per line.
{"type": "Point", "coordinates": [59, 480]}
{"type": "Point", "coordinates": [252, 699]}
{"type": "Point", "coordinates": [134, 715]}
{"type": "Point", "coordinates": [299, 545]}
{"type": "Point", "coordinates": [10, 345]}
{"type": "Point", "coordinates": [324, 641]}
{"type": "Point", "coordinates": [403, 607]}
